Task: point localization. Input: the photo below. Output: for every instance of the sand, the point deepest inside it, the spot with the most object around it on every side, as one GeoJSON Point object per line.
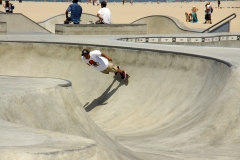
{"type": "Point", "coordinates": [38, 11]}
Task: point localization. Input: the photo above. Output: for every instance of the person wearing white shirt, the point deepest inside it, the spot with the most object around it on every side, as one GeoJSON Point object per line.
{"type": "Point", "coordinates": [208, 11]}
{"type": "Point", "coordinates": [101, 62]}
{"type": "Point", "coordinates": [104, 14]}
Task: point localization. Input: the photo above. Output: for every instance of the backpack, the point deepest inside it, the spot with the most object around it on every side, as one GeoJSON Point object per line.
{"type": "Point", "coordinates": [211, 9]}
{"type": "Point", "coordinates": [12, 7]}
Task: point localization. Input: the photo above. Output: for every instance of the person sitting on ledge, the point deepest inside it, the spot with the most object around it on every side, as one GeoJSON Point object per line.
{"type": "Point", "coordinates": [76, 12]}
{"type": "Point", "coordinates": [104, 14]}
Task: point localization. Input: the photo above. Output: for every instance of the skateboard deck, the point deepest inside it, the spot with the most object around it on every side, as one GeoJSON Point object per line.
{"type": "Point", "coordinates": [118, 77]}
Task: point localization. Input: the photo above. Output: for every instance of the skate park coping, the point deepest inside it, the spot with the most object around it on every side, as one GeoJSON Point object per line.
{"type": "Point", "coordinates": [219, 40]}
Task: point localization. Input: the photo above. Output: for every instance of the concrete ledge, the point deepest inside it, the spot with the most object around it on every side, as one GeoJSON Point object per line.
{"type": "Point", "coordinates": [3, 28]}
{"type": "Point", "coordinates": [100, 29]}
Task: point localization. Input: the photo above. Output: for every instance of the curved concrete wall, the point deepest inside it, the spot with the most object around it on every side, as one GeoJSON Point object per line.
{"type": "Point", "coordinates": [160, 24]}
{"type": "Point", "coordinates": [174, 105]}
{"type": "Point", "coordinates": [49, 23]}
{"type": "Point", "coordinates": [30, 143]}
{"type": "Point", "coordinates": [18, 23]}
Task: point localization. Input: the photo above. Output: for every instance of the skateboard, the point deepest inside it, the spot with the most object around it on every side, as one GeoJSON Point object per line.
{"type": "Point", "coordinates": [127, 77]}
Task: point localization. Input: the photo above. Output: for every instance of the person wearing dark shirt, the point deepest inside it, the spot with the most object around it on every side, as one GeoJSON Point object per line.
{"type": "Point", "coordinates": [219, 3]}
{"type": "Point", "coordinates": [76, 12]}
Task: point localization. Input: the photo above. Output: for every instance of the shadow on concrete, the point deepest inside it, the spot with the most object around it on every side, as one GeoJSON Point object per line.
{"type": "Point", "coordinates": [106, 95]}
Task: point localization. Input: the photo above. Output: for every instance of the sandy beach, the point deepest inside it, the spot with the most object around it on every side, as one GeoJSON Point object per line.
{"type": "Point", "coordinates": [39, 11]}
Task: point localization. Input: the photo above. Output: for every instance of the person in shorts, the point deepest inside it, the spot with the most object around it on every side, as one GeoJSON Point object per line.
{"type": "Point", "coordinates": [101, 62]}
{"type": "Point", "coordinates": [7, 6]}
{"type": "Point", "coordinates": [208, 12]}
{"type": "Point", "coordinates": [76, 12]}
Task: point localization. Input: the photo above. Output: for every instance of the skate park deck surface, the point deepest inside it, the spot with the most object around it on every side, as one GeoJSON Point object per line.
{"type": "Point", "coordinates": [181, 102]}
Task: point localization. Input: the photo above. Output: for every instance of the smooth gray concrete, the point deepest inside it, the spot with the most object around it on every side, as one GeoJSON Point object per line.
{"type": "Point", "coordinates": [24, 143]}
{"type": "Point", "coordinates": [3, 28]}
{"type": "Point", "coordinates": [160, 24]}
{"type": "Point", "coordinates": [168, 114]}
{"type": "Point", "coordinates": [49, 23]}
{"type": "Point", "coordinates": [225, 27]}
{"type": "Point", "coordinates": [15, 23]}
{"type": "Point", "coordinates": [100, 29]}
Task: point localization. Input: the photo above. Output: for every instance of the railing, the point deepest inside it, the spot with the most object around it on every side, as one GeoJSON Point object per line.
{"type": "Point", "coordinates": [221, 22]}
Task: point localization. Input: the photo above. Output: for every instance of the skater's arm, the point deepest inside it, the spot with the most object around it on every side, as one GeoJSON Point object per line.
{"type": "Point", "coordinates": [104, 55]}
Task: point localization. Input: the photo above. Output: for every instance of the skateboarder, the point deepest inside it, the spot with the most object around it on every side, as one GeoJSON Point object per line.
{"type": "Point", "coordinates": [101, 62]}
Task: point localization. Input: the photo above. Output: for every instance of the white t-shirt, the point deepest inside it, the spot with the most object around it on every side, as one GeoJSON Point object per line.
{"type": "Point", "coordinates": [209, 7]}
{"type": "Point", "coordinates": [105, 14]}
{"type": "Point", "coordinates": [96, 60]}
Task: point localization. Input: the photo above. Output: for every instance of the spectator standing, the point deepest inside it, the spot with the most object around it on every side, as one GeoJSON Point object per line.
{"type": "Point", "coordinates": [11, 8]}
{"type": "Point", "coordinates": [194, 14]}
{"type": "Point", "coordinates": [188, 16]}
{"type": "Point", "coordinates": [7, 6]}
{"type": "Point", "coordinates": [208, 17]}
{"type": "Point", "coordinates": [219, 3]}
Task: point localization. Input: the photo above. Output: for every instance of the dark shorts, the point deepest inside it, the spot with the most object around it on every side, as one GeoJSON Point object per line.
{"type": "Point", "coordinates": [69, 19]}
{"type": "Point", "coordinates": [208, 16]}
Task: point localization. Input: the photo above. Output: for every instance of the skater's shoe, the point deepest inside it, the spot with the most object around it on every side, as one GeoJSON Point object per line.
{"type": "Point", "coordinates": [118, 68]}
{"type": "Point", "coordinates": [124, 75]}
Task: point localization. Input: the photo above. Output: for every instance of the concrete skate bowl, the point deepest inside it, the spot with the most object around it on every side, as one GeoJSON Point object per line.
{"type": "Point", "coordinates": [161, 24]}
{"type": "Point", "coordinates": [175, 106]}
{"type": "Point", "coordinates": [49, 23]}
